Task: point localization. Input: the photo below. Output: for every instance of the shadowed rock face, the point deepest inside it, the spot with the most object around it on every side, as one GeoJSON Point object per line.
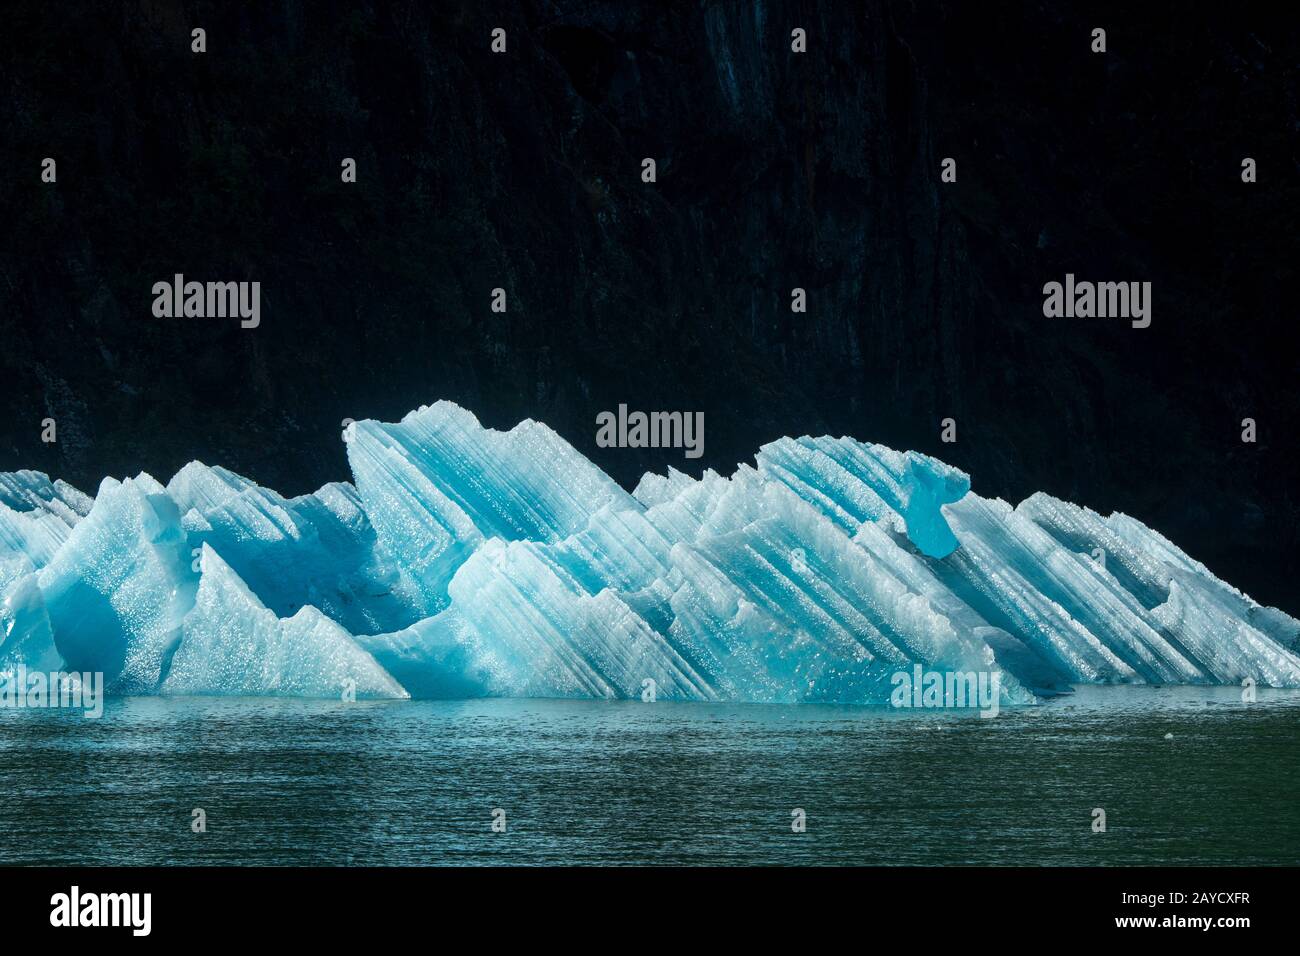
{"type": "Point", "coordinates": [775, 171]}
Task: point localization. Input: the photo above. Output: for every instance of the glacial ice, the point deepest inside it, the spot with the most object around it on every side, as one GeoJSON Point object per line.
{"type": "Point", "coordinates": [25, 635]}
{"type": "Point", "coordinates": [314, 550]}
{"type": "Point", "coordinates": [466, 562]}
{"type": "Point", "coordinates": [119, 587]}
{"type": "Point", "coordinates": [231, 644]}
{"type": "Point", "coordinates": [37, 515]}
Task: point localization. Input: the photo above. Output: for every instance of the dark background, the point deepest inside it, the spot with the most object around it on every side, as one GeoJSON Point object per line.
{"type": "Point", "coordinates": [776, 170]}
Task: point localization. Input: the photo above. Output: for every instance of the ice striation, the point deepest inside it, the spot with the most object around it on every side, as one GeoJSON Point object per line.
{"type": "Point", "coordinates": [466, 562]}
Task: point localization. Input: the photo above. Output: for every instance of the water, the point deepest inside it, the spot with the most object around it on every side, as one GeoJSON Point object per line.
{"type": "Point", "coordinates": [312, 782]}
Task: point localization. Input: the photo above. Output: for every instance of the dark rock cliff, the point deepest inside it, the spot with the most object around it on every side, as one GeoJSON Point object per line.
{"type": "Point", "coordinates": [775, 170]}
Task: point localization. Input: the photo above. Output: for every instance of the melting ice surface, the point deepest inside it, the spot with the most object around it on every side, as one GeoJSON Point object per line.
{"type": "Point", "coordinates": [467, 562]}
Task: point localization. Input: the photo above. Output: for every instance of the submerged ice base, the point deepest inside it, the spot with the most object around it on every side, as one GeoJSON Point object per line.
{"type": "Point", "coordinates": [467, 562]}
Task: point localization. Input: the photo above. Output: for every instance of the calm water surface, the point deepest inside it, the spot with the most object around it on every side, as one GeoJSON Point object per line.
{"type": "Point", "coordinates": [311, 782]}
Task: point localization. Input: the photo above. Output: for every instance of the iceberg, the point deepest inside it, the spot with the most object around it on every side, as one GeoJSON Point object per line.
{"type": "Point", "coordinates": [37, 515]}
{"type": "Point", "coordinates": [231, 644]}
{"type": "Point", "coordinates": [317, 549]}
{"type": "Point", "coordinates": [119, 587]}
{"type": "Point", "coordinates": [25, 635]}
{"type": "Point", "coordinates": [461, 561]}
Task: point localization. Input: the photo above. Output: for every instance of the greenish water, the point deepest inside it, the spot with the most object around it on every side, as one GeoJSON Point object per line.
{"type": "Point", "coordinates": [309, 782]}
